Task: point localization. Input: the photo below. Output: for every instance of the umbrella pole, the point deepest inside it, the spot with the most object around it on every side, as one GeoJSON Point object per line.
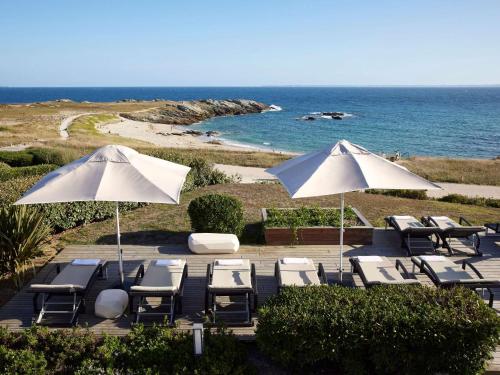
{"type": "Point", "coordinates": [120, 258]}
{"type": "Point", "coordinates": [341, 269]}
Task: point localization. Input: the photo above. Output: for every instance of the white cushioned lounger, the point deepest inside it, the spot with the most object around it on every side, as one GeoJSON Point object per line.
{"type": "Point", "coordinates": [231, 277]}
{"type": "Point", "coordinates": [75, 280]}
{"type": "Point", "coordinates": [415, 236]}
{"type": "Point", "coordinates": [465, 235]}
{"type": "Point", "coordinates": [298, 272]}
{"type": "Point", "coordinates": [163, 278]}
{"type": "Point", "coordinates": [445, 273]}
{"type": "Point", "coordinates": [376, 270]}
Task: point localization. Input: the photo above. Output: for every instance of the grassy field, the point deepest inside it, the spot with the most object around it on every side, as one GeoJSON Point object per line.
{"type": "Point", "coordinates": [156, 224]}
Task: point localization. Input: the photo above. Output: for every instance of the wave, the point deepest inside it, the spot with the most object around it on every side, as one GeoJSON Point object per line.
{"type": "Point", "coordinates": [275, 108]}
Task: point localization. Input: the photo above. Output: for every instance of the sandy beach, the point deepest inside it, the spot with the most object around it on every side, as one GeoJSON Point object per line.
{"type": "Point", "coordinates": [165, 135]}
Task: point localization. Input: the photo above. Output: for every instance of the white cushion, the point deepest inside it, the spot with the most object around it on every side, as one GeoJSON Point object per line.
{"type": "Point", "coordinates": [433, 258]}
{"type": "Point", "coordinates": [111, 303]}
{"type": "Point", "coordinates": [85, 262]}
{"type": "Point", "coordinates": [295, 261]}
{"type": "Point", "coordinates": [168, 262]}
{"type": "Point", "coordinates": [213, 243]}
{"type": "Point", "coordinates": [370, 258]}
{"type": "Point", "coordinates": [229, 262]}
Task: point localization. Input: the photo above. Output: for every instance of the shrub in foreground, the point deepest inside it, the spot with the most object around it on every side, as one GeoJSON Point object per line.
{"type": "Point", "coordinates": [152, 350]}
{"type": "Point", "coordinates": [23, 231]}
{"type": "Point", "coordinates": [383, 330]}
{"type": "Point", "coordinates": [476, 201]}
{"type": "Point", "coordinates": [216, 213]}
{"type": "Point", "coordinates": [32, 170]}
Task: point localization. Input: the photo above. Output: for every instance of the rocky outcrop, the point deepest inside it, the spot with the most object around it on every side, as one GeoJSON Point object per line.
{"type": "Point", "coordinates": [190, 112]}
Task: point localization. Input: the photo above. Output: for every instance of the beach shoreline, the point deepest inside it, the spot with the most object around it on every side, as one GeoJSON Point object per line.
{"type": "Point", "coordinates": [175, 136]}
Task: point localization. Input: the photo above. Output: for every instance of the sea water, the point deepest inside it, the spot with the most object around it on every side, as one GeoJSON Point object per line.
{"type": "Point", "coordinates": [438, 121]}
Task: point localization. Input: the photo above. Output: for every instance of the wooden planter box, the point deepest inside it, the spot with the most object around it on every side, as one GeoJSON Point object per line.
{"type": "Point", "coordinates": [357, 235]}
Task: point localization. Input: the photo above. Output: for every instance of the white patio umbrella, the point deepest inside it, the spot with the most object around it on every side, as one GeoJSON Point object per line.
{"type": "Point", "coordinates": [113, 174]}
{"type": "Point", "coordinates": [342, 168]}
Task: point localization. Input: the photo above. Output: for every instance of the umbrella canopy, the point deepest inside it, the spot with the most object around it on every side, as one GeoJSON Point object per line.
{"type": "Point", "coordinates": [114, 174]}
{"type": "Point", "coordinates": [342, 168]}
{"type": "Point", "coordinates": [111, 173]}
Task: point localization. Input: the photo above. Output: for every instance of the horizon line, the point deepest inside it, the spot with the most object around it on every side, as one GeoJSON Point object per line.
{"type": "Point", "coordinates": [267, 86]}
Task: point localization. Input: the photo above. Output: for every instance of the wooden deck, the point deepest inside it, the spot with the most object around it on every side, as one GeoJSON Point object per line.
{"type": "Point", "coordinates": [17, 313]}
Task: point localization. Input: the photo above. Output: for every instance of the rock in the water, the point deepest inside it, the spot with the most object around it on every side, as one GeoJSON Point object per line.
{"type": "Point", "coordinates": [337, 117]}
{"type": "Point", "coordinates": [64, 101]}
{"type": "Point", "coordinates": [190, 112]}
{"type": "Point", "coordinates": [193, 132]}
{"type": "Point", "coordinates": [212, 133]}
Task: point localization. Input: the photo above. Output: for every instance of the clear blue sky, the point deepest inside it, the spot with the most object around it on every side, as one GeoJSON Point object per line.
{"type": "Point", "coordinates": [249, 43]}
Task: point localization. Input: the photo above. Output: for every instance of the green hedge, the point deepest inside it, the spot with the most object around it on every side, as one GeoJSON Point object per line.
{"type": "Point", "coordinates": [308, 217]}
{"type": "Point", "coordinates": [383, 330]}
{"type": "Point", "coordinates": [411, 194]}
{"type": "Point", "coordinates": [476, 201]}
{"type": "Point", "coordinates": [39, 155]}
{"type": "Point", "coordinates": [153, 350]}
{"type": "Point", "coordinates": [216, 213]}
{"type": "Point", "coordinates": [32, 170]}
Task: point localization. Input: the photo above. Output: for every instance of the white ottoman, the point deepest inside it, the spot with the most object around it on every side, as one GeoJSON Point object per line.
{"type": "Point", "coordinates": [213, 243]}
{"type": "Point", "coordinates": [111, 303]}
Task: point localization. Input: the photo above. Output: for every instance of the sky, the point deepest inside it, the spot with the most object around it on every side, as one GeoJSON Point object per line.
{"type": "Point", "coordinates": [249, 43]}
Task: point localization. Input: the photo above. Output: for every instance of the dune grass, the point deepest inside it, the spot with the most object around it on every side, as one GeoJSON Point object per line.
{"type": "Point", "coordinates": [463, 171]}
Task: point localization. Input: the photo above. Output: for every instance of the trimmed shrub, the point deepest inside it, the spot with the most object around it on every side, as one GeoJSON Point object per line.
{"type": "Point", "coordinates": [476, 201]}
{"type": "Point", "coordinates": [32, 170]}
{"type": "Point", "coordinates": [216, 213]}
{"type": "Point", "coordinates": [55, 156]}
{"type": "Point", "coordinates": [23, 231]}
{"type": "Point", "coordinates": [16, 158]}
{"type": "Point", "coordinates": [410, 194]}
{"type": "Point", "coordinates": [382, 330]}
{"type": "Point", "coordinates": [4, 165]}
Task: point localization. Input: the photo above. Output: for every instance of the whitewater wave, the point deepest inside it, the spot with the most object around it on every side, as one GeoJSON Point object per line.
{"type": "Point", "coordinates": [275, 108]}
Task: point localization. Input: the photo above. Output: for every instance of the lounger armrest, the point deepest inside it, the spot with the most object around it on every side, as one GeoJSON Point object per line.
{"type": "Point", "coordinates": [429, 221]}
{"type": "Point", "coordinates": [462, 220]}
{"type": "Point", "coordinates": [139, 274]}
{"type": "Point", "coordinates": [354, 265]}
{"type": "Point", "coordinates": [253, 275]}
{"type": "Point", "coordinates": [209, 274]}
{"type": "Point", "coordinates": [473, 268]}
{"type": "Point", "coordinates": [322, 274]}
{"type": "Point", "coordinates": [425, 267]}
{"type": "Point", "coordinates": [184, 277]}
{"type": "Point", "coordinates": [399, 265]}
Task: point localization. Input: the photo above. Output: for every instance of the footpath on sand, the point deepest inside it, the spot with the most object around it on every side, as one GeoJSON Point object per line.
{"type": "Point", "coordinates": [250, 175]}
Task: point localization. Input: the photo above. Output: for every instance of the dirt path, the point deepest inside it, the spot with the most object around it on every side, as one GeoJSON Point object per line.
{"type": "Point", "coordinates": [251, 175]}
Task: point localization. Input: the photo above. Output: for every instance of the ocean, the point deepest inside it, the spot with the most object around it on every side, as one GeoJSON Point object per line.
{"type": "Point", "coordinates": [438, 121]}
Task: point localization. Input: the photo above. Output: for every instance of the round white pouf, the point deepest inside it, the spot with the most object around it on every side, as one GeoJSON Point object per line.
{"type": "Point", "coordinates": [213, 243]}
{"type": "Point", "coordinates": [111, 303]}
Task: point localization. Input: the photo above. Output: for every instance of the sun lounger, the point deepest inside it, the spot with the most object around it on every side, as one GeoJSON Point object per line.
{"type": "Point", "coordinates": [231, 278]}
{"type": "Point", "coordinates": [456, 237]}
{"type": "Point", "coordinates": [298, 272]}
{"type": "Point", "coordinates": [69, 288]}
{"type": "Point", "coordinates": [445, 273]}
{"type": "Point", "coordinates": [163, 278]}
{"type": "Point", "coordinates": [415, 236]}
{"type": "Point", "coordinates": [495, 227]}
{"type": "Point", "coordinates": [376, 270]}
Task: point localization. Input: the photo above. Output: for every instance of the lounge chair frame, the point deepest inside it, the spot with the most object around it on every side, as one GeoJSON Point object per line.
{"type": "Point", "coordinates": [356, 268]}
{"type": "Point", "coordinates": [495, 227]}
{"type": "Point", "coordinates": [250, 295]}
{"type": "Point", "coordinates": [416, 241]}
{"type": "Point", "coordinates": [320, 271]}
{"type": "Point", "coordinates": [463, 232]}
{"type": "Point", "coordinates": [78, 304]}
{"type": "Point", "coordinates": [174, 298]}
{"type": "Point", "coordinates": [425, 267]}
